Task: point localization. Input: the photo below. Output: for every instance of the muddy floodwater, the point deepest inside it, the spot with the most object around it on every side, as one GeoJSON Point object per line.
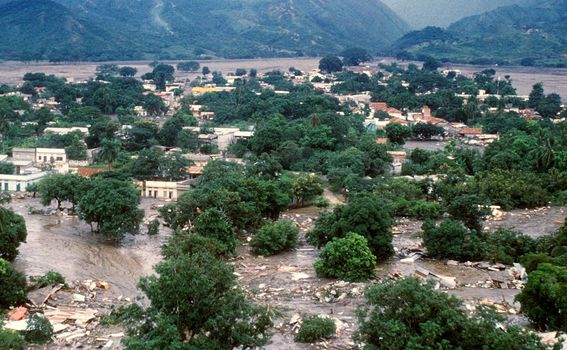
{"type": "Point", "coordinates": [287, 282]}
{"type": "Point", "coordinates": [66, 245]}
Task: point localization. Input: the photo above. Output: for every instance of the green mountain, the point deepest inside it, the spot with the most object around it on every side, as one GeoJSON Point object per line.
{"type": "Point", "coordinates": [37, 29]}
{"type": "Point", "coordinates": [533, 33]}
{"type": "Point", "coordinates": [181, 29]}
{"type": "Point", "coordinates": [441, 13]}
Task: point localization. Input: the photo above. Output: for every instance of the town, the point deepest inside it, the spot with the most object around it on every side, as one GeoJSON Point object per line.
{"type": "Point", "coordinates": [264, 182]}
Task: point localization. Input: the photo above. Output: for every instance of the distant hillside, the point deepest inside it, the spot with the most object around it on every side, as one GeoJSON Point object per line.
{"type": "Point", "coordinates": [534, 33]}
{"type": "Point", "coordinates": [180, 29]}
{"type": "Point", "coordinates": [441, 13]}
{"type": "Point", "coordinates": [36, 29]}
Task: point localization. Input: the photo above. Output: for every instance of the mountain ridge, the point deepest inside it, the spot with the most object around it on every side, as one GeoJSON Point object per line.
{"type": "Point", "coordinates": [531, 33]}
{"type": "Point", "coordinates": [183, 29]}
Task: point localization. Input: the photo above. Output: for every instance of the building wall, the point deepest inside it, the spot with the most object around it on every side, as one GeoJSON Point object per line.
{"type": "Point", "coordinates": [27, 154]}
{"type": "Point", "coordinates": [160, 190]}
{"type": "Point", "coordinates": [18, 183]}
{"type": "Point", "coordinates": [44, 155]}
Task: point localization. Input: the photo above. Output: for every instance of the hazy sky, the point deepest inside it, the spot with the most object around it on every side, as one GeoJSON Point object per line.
{"type": "Point", "coordinates": [441, 13]}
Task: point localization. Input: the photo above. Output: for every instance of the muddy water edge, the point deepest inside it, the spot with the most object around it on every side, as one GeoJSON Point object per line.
{"type": "Point", "coordinates": [65, 244]}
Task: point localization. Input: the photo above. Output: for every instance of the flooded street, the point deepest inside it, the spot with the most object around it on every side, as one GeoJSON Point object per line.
{"type": "Point", "coordinates": [66, 245]}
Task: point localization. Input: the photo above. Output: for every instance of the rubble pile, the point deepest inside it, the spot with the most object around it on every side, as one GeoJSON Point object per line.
{"type": "Point", "coordinates": [73, 312]}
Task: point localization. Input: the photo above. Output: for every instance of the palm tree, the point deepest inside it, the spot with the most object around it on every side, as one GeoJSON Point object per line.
{"type": "Point", "coordinates": [109, 151]}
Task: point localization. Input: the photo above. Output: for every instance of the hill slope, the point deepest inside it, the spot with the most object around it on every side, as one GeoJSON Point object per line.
{"type": "Point", "coordinates": [179, 29]}
{"type": "Point", "coordinates": [534, 33]}
{"type": "Point", "coordinates": [37, 29]}
{"type": "Point", "coordinates": [441, 13]}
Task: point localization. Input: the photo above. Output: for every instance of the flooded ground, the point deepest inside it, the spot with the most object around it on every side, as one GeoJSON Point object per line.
{"type": "Point", "coordinates": [534, 223]}
{"type": "Point", "coordinates": [286, 282]}
{"type": "Point", "coordinates": [66, 245]}
{"type": "Point", "coordinates": [11, 72]}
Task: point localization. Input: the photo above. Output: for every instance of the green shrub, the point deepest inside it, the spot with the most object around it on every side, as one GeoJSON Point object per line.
{"type": "Point", "coordinates": [274, 237]}
{"type": "Point", "coordinates": [188, 243]}
{"type": "Point", "coordinates": [315, 328]}
{"type": "Point", "coordinates": [39, 329]}
{"type": "Point", "coordinates": [11, 340]}
{"type": "Point", "coordinates": [470, 209]}
{"type": "Point", "coordinates": [508, 246]}
{"type": "Point", "coordinates": [213, 223]}
{"type": "Point", "coordinates": [531, 261]}
{"type": "Point", "coordinates": [366, 214]}
{"type": "Point", "coordinates": [12, 233]}
{"type": "Point", "coordinates": [451, 240]}
{"type": "Point", "coordinates": [544, 298]}
{"type": "Point", "coordinates": [408, 314]}
{"type": "Point", "coordinates": [419, 209]}
{"type": "Point", "coordinates": [12, 286]}
{"type": "Point", "coordinates": [153, 227]}
{"type": "Point", "coordinates": [51, 278]}
{"type": "Point", "coordinates": [347, 258]}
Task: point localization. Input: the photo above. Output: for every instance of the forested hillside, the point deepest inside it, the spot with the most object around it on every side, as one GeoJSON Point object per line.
{"type": "Point", "coordinates": [118, 29]}
{"type": "Point", "coordinates": [530, 34]}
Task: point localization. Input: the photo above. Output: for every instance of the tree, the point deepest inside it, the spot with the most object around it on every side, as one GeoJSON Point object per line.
{"type": "Point", "coordinates": [162, 74]}
{"type": "Point", "coordinates": [544, 298]}
{"type": "Point", "coordinates": [107, 69]}
{"type": "Point", "coordinates": [153, 163]}
{"type": "Point", "coordinates": [7, 168]}
{"type": "Point", "coordinates": [431, 64]}
{"type": "Point", "coordinates": [154, 105]}
{"type": "Point", "coordinates": [347, 258]}
{"type": "Point", "coordinates": [365, 214]}
{"type": "Point", "coordinates": [218, 79]}
{"type": "Point", "coordinates": [113, 206]}
{"type": "Point", "coordinates": [355, 56]}
{"type": "Point", "coordinates": [127, 71]}
{"type": "Point", "coordinates": [537, 95]}
{"type": "Point", "coordinates": [214, 224]}
{"type": "Point", "coordinates": [143, 134]}
{"type": "Point", "coordinates": [12, 233]}
{"type": "Point", "coordinates": [206, 70]}
{"type": "Point", "coordinates": [305, 188]}
{"type": "Point", "coordinates": [12, 286]}
{"type": "Point", "coordinates": [61, 187]}
{"type": "Point", "coordinates": [274, 238]}
{"type": "Point", "coordinates": [409, 314]}
{"type": "Point", "coordinates": [188, 66]}
{"type": "Point", "coordinates": [197, 304]}
{"type": "Point", "coordinates": [77, 149]}
{"type": "Point", "coordinates": [397, 133]}
{"type": "Point", "coordinates": [169, 131]}
{"type": "Point", "coordinates": [240, 72]}
{"type": "Point", "coordinates": [330, 64]}
{"type": "Point", "coordinates": [470, 209]}
{"type": "Point", "coordinates": [109, 151]}
{"type": "Point", "coordinates": [549, 106]}
{"type": "Point", "coordinates": [450, 240]}
{"type": "Point", "coordinates": [425, 131]}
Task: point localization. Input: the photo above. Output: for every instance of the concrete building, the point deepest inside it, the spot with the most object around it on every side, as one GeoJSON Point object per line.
{"type": "Point", "coordinates": [164, 190]}
{"type": "Point", "coordinates": [18, 183]}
